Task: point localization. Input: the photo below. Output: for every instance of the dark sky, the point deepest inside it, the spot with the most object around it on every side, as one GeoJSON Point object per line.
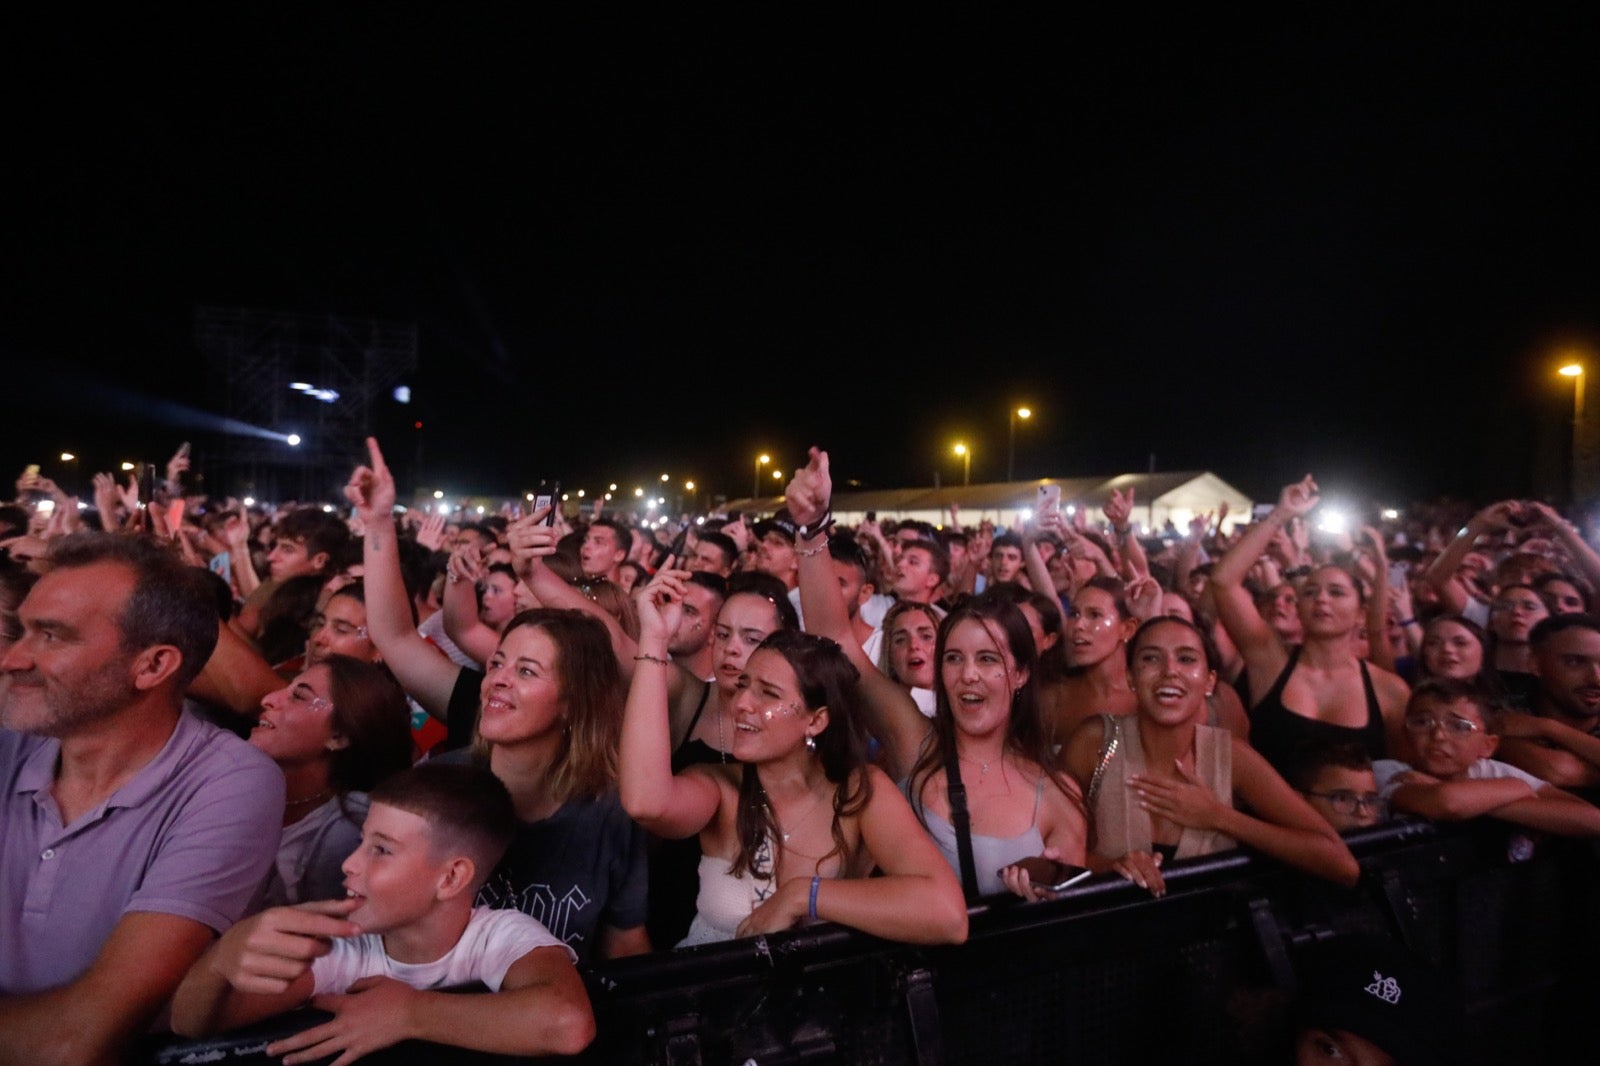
{"type": "Point", "coordinates": [1259, 248]}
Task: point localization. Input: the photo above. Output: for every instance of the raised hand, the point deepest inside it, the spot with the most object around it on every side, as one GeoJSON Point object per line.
{"type": "Point", "coordinates": [430, 534]}
{"type": "Point", "coordinates": [739, 530]}
{"type": "Point", "coordinates": [464, 565]}
{"type": "Point", "coordinates": [1497, 517]}
{"type": "Point", "coordinates": [529, 539]}
{"type": "Point", "coordinates": [660, 605]}
{"type": "Point", "coordinates": [1300, 497]}
{"type": "Point", "coordinates": [105, 499]}
{"type": "Point", "coordinates": [810, 489]}
{"type": "Point", "coordinates": [1144, 598]}
{"type": "Point", "coordinates": [371, 488]}
{"type": "Point", "coordinates": [1119, 509]}
{"type": "Point", "coordinates": [177, 465]}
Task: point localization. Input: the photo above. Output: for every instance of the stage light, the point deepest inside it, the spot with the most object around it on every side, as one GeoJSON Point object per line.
{"type": "Point", "coordinates": [292, 440]}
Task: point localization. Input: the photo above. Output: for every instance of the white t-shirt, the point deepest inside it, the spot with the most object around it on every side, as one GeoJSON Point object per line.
{"type": "Point", "coordinates": [1388, 772]}
{"type": "Point", "coordinates": [432, 628]}
{"type": "Point", "coordinates": [490, 945]}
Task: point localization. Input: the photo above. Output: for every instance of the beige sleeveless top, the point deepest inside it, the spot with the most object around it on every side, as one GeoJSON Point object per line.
{"type": "Point", "coordinates": [1120, 824]}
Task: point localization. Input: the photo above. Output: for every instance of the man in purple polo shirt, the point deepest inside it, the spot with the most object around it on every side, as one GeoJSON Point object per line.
{"type": "Point", "coordinates": [130, 832]}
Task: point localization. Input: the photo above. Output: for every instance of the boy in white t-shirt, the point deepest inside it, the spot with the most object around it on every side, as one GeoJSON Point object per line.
{"type": "Point", "coordinates": [1452, 729]}
{"type": "Point", "coordinates": [407, 927]}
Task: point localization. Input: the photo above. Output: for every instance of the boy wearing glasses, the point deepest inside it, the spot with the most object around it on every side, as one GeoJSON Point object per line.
{"type": "Point", "coordinates": [1337, 780]}
{"type": "Point", "coordinates": [1452, 730]}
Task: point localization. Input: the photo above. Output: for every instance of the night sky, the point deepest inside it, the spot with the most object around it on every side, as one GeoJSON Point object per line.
{"type": "Point", "coordinates": [1257, 248]}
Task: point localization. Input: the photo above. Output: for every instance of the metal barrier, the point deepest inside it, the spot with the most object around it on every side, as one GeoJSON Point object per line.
{"type": "Point", "coordinates": [1106, 974]}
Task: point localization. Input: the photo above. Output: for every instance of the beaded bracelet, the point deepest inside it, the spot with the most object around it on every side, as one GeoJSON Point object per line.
{"type": "Point", "coordinates": [811, 908]}
{"type": "Point", "coordinates": [652, 659]}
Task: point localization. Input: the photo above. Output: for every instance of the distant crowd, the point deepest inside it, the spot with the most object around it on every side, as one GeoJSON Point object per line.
{"type": "Point", "coordinates": [351, 755]}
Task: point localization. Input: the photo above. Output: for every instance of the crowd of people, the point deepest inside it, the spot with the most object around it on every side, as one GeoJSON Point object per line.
{"type": "Point", "coordinates": [350, 754]}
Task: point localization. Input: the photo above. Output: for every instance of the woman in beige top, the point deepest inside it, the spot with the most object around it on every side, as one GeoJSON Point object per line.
{"type": "Point", "coordinates": [1163, 785]}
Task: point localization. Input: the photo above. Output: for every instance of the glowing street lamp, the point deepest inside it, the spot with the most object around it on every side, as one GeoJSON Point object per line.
{"type": "Point", "coordinates": [966, 463]}
{"type": "Point", "coordinates": [755, 483]}
{"type": "Point", "coordinates": [1011, 439]}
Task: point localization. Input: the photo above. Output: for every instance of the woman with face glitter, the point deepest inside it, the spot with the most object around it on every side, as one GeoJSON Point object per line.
{"type": "Point", "coordinates": [792, 828]}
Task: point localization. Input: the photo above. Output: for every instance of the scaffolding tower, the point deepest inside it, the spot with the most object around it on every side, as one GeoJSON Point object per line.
{"type": "Point", "coordinates": [323, 377]}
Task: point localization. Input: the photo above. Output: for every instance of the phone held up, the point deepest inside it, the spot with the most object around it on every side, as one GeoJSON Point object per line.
{"type": "Point", "coordinates": [1049, 500]}
{"type": "Point", "coordinates": [1049, 874]}
{"type": "Point", "coordinates": [548, 494]}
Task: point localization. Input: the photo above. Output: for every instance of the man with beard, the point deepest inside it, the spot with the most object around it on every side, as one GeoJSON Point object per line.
{"type": "Point", "coordinates": [1560, 741]}
{"type": "Point", "coordinates": [133, 832]}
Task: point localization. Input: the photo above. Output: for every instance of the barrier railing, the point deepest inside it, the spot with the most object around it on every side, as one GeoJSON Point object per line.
{"type": "Point", "coordinates": [1105, 974]}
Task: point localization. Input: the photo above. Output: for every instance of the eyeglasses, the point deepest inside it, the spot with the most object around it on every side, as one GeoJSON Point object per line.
{"type": "Point", "coordinates": [341, 628]}
{"type": "Point", "coordinates": [1454, 724]}
{"type": "Point", "coordinates": [1347, 802]}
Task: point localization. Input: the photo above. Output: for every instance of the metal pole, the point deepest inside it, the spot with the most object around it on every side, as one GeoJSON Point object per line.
{"type": "Point", "coordinates": [1011, 447]}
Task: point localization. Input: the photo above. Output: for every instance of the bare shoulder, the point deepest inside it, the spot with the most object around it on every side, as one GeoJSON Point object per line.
{"type": "Point", "coordinates": [1390, 687]}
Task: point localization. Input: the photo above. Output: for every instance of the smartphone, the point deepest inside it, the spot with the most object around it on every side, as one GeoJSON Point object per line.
{"type": "Point", "coordinates": [1049, 500]}
{"type": "Point", "coordinates": [183, 451]}
{"type": "Point", "coordinates": [147, 483]}
{"type": "Point", "coordinates": [1050, 874]}
{"type": "Point", "coordinates": [30, 471]}
{"type": "Point", "coordinates": [676, 551]}
{"type": "Point", "coordinates": [1399, 574]}
{"type": "Point", "coordinates": [548, 494]}
{"type": "Point", "coordinates": [1260, 511]}
{"type": "Point", "coordinates": [872, 516]}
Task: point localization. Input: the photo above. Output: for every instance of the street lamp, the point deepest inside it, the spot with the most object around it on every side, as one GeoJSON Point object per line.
{"type": "Point", "coordinates": [966, 463]}
{"type": "Point", "coordinates": [1011, 440]}
{"type": "Point", "coordinates": [755, 483]}
{"type": "Point", "coordinates": [1575, 372]}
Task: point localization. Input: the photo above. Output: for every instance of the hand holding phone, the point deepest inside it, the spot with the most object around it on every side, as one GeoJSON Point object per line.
{"type": "Point", "coordinates": [1049, 500]}
{"type": "Point", "coordinates": [1050, 875]}
{"type": "Point", "coordinates": [548, 494]}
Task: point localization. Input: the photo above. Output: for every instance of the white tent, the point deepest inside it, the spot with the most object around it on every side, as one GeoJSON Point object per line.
{"type": "Point", "coordinates": [1176, 496]}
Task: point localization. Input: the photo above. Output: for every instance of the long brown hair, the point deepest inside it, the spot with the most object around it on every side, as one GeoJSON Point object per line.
{"type": "Point", "coordinates": [827, 679]}
{"type": "Point", "coordinates": [371, 714]}
{"type": "Point", "coordinates": [590, 683]}
{"type": "Point", "coordinates": [1025, 733]}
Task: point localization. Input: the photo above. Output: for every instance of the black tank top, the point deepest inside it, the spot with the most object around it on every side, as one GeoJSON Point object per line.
{"type": "Point", "coordinates": [1279, 734]}
{"type": "Point", "coordinates": [675, 864]}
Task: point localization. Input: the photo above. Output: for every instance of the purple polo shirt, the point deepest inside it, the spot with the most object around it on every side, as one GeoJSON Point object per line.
{"type": "Point", "coordinates": [192, 834]}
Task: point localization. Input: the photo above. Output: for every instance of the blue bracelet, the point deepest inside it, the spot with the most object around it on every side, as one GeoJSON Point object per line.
{"type": "Point", "coordinates": [811, 908]}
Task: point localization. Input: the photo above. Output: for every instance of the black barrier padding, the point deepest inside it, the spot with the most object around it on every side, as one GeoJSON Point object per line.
{"type": "Point", "coordinates": [1106, 974]}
